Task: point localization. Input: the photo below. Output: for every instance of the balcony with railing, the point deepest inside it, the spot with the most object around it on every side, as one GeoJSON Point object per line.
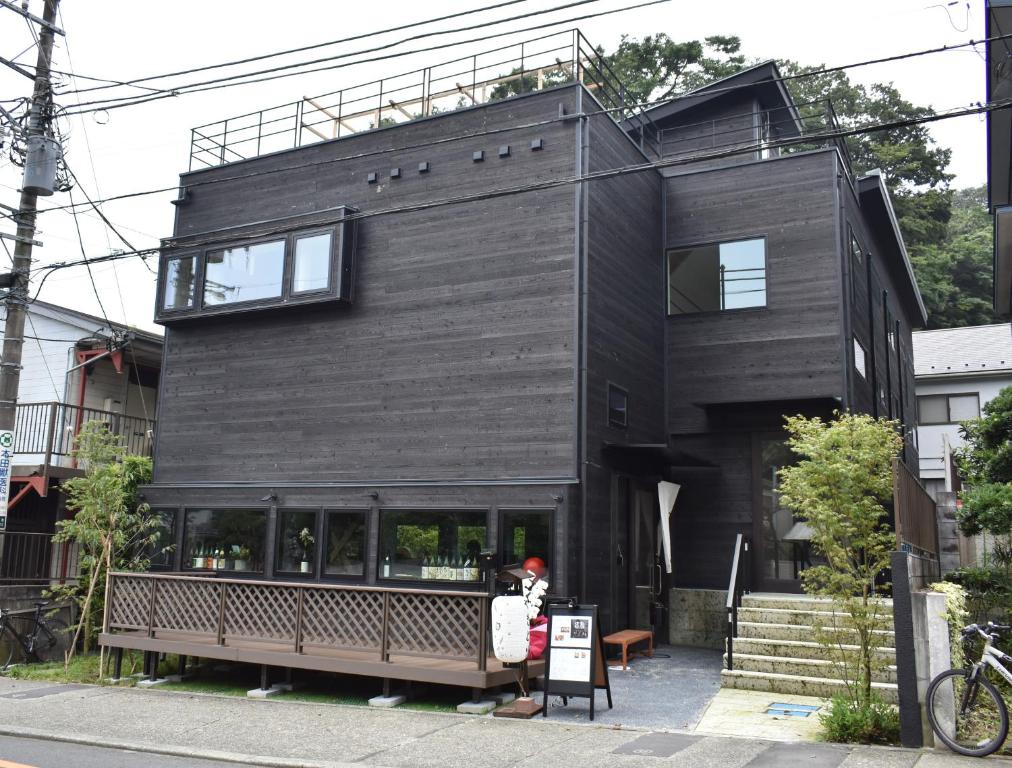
{"type": "Point", "coordinates": [532, 65]}
{"type": "Point", "coordinates": [45, 432]}
{"type": "Point", "coordinates": [751, 135]}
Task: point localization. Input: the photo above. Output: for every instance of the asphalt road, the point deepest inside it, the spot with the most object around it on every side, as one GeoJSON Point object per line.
{"type": "Point", "coordinates": [34, 753]}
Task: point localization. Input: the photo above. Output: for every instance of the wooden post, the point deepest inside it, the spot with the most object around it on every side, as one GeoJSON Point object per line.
{"type": "Point", "coordinates": [298, 620]}
{"type": "Point", "coordinates": [151, 608]}
{"type": "Point", "coordinates": [221, 614]}
{"type": "Point", "coordinates": [483, 608]}
{"type": "Point", "coordinates": [384, 633]}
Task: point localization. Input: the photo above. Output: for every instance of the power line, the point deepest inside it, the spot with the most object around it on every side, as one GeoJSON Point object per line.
{"type": "Point", "coordinates": [705, 91]}
{"type": "Point", "coordinates": [304, 48]}
{"type": "Point", "coordinates": [174, 245]}
{"type": "Point", "coordinates": [87, 263]}
{"type": "Point", "coordinates": [276, 73]}
{"type": "Point", "coordinates": [42, 354]}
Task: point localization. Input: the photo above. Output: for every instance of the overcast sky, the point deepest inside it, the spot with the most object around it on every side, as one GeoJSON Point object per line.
{"type": "Point", "coordinates": [147, 146]}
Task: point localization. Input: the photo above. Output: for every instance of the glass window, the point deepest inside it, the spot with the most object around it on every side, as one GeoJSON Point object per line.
{"type": "Point", "coordinates": [855, 251]}
{"type": "Point", "coordinates": [932, 409]}
{"type": "Point", "coordinates": [296, 541]}
{"type": "Point", "coordinates": [963, 407]}
{"type": "Point", "coordinates": [860, 359]}
{"type": "Point", "coordinates": [618, 406]}
{"type": "Point", "coordinates": [717, 277]}
{"type": "Point", "coordinates": [244, 273]}
{"type": "Point", "coordinates": [162, 552]}
{"type": "Point", "coordinates": [525, 534]}
{"type": "Point", "coordinates": [345, 540]}
{"type": "Point", "coordinates": [431, 545]}
{"type": "Point", "coordinates": [312, 263]}
{"type": "Point", "coordinates": [225, 539]}
{"type": "Point", "coordinates": [180, 277]}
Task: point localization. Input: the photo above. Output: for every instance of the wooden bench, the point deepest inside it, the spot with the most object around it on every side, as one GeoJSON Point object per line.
{"type": "Point", "coordinates": [628, 637]}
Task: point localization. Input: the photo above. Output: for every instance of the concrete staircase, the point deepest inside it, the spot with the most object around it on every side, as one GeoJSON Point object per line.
{"type": "Point", "coordinates": [776, 650]}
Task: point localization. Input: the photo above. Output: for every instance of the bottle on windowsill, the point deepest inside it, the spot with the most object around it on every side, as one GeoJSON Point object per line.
{"type": "Point", "coordinates": [425, 567]}
{"type": "Point", "coordinates": [463, 569]}
{"type": "Point", "coordinates": [386, 567]}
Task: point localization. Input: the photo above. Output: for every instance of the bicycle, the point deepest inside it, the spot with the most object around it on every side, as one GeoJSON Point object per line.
{"type": "Point", "coordinates": [43, 640]}
{"type": "Point", "coordinates": [964, 708]}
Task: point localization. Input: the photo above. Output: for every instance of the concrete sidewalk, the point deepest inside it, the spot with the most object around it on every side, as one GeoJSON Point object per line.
{"type": "Point", "coordinates": [296, 734]}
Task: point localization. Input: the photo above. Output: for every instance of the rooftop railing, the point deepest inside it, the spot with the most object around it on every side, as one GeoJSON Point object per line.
{"type": "Point", "coordinates": [45, 432]}
{"type": "Point", "coordinates": [532, 65]}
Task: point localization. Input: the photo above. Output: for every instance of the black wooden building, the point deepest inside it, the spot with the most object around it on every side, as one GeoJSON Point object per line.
{"type": "Point", "coordinates": [500, 326]}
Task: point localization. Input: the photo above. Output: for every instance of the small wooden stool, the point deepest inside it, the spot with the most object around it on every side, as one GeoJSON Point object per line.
{"type": "Point", "coordinates": [627, 637]}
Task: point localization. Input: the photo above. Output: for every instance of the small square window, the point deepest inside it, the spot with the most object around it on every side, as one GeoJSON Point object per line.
{"type": "Point", "coordinates": [618, 407]}
{"type": "Point", "coordinates": [932, 409]}
{"type": "Point", "coordinates": [963, 407]}
{"type": "Point", "coordinates": [717, 277]}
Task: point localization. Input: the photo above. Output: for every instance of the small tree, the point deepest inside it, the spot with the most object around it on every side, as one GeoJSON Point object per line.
{"type": "Point", "coordinates": [109, 528]}
{"type": "Point", "coordinates": [838, 486]}
{"type": "Point", "coordinates": [985, 461]}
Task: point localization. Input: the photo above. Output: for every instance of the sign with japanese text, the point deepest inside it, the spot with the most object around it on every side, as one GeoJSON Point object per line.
{"type": "Point", "coordinates": [6, 464]}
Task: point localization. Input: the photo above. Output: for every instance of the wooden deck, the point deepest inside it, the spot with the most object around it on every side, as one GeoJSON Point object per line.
{"type": "Point", "coordinates": [346, 662]}
{"type": "Point", "coordinates": [394, 634]}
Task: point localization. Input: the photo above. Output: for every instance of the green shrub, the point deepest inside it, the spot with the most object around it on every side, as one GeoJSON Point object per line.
{"type": "Point", "coordinates": [849, 722]}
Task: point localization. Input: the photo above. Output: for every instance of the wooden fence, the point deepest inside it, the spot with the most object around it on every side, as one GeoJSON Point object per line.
{"type": "Point", "coordinates": [375, 631]}
{"type": "Point", "coordinates": [916, 516]}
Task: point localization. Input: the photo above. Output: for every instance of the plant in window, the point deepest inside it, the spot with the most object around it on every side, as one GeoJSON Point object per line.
{"type": "Point", "coordinates": [306, 541]}
{"type": "Point", "coordinates": [242, 558]}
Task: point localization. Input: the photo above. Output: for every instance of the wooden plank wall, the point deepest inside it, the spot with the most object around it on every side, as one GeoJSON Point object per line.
{"type": "Point", "coordinates": [888, 390]}
{"type": "Point", "coordinates": [719, 125]}
{"type": "Point", "coordinates": [791, 349]}
{"type": "Point", "coordinates": [456, 358]}
{"type": "Point", "coordinates": [625, 340]}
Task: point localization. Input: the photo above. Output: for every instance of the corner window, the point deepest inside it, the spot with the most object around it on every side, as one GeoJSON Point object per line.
{"type": "Point", "coordinates": [180, 282]}
{"type": "Point", "coordinates": [245, 273]}
{"type": "Point", "coordinates": [860, 359]}
{"type": "Point", "coordinates": [431, 545]}
{"type": "Point", "coordinates": [856, 252]}
{"type": "Point", "coordinates": [947, 409]}
{"type": "Point", "coordinates": [618, 407]}
{"type": "Point", "coordinates": [161, 555]}
{"type": "Point", "coordinates": [224, 540]}
{"type": "Point", "coordinates": [344, 542]}
{"type": "Point", "coordinates": [298, 267]}
{"type": "Point", "coordinates": [717, 277]}
{"type": "Point", "coordinates": [296, 543]}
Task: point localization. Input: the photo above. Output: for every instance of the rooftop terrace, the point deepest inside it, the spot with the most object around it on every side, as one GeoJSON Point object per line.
{"type": "Point", "coordinates": [532, 65]}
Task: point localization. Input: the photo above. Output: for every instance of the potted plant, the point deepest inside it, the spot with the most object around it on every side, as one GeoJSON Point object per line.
{"type": "Point", "coordinates": [307, 542]}
{"type": "Point", "coordinates": [242, 559]}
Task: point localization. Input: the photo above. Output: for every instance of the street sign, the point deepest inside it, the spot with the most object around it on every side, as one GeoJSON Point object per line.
{"type": "Point", "coordinates": [6, 463]}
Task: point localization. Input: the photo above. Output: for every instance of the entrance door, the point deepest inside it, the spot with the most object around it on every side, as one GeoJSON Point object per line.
{"type": "Point", "coordinates": [781, 541]}
{"type": "Point", "coordinates": [645, 573]}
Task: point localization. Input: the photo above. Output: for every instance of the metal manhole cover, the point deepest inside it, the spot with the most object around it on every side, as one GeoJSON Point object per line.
{"type": "Point", "coordinates": [657, 744]}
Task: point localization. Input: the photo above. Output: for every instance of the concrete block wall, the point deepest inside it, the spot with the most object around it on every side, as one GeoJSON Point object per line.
{"type": "Point", "coordinates": [932, 651]}
{"type": "Point", "coordinates": [698, 618]}
{"type": "Point", "coordinates": [948, 532]}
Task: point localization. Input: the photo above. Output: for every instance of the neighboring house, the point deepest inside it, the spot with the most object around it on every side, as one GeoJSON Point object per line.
{"type": "Point", "coordinates": [364, 383]}
{"type": "Point", "coordinates": [958, 371]}
{"type": "Point", "coordinates": [75, 369]}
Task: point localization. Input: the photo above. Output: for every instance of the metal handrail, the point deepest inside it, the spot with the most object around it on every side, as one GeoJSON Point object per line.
{"type": "Point", "coordinates": [738, 586]}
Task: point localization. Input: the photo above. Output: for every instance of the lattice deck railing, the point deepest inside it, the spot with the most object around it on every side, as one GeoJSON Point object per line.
{"type": "Point", "coordinates": [381, 620]}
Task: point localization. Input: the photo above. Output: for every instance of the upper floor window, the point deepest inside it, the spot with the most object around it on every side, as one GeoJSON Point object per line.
{"type": "Point", "coordinates": [860, 359]}
{"type": "Point", "coordinates": [618, 407]}
{"type": "Point", "coordinates": [947, 409]}
{"type": "Point", "coordinates": [297, 267]}
{"type": "Point", "coordinates": [717, 277]}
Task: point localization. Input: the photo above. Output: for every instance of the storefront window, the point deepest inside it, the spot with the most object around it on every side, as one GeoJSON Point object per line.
{"type": "Point", "coordinates": [162, 552]}
{"type": "Point", "coordinates": [525, 534]}
{"type": "Point", "coordinates": [432, 545]}
{"type": "Point", "coordinates": [296, 541]}
{"type": "Point", "coordinates": [225, 539]}
{"type": "Point", "coordinates": [345, 542]}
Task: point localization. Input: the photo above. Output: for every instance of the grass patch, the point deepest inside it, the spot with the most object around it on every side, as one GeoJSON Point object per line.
{"type": "Point", "coordinates": [83, 668]}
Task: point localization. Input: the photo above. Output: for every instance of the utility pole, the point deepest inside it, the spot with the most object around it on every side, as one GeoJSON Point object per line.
{"type": "Point", "coordinates": [17, 298]}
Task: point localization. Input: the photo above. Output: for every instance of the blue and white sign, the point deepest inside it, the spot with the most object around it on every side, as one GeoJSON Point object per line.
{"type": "Point", "coordinates": [6, 464]}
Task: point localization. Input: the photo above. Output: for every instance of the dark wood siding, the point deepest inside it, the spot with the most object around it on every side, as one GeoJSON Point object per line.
{"type": "Point", "coordinates": [791, 349]}
{"type": "Point", "coordinates": [624, 340]}
{"type": "Point", "coordinates": [456, 358]}
{"type": "Point", "coordinates": [726, 123]}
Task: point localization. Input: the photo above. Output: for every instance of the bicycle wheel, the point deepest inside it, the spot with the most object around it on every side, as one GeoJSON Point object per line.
{"type": "Point", "coordinates": [51, 645]}
{"type": "Point", "coordinates": [969, 717]}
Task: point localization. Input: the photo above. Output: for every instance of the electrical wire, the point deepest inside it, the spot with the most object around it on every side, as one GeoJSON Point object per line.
{"type": "Point", "coordinates": [706, 91]}
{"type": "Point", "coordinates": [174, 245]}
{"type": "Point", "coordinates": [87, 263]}
{"type": "Point", "coordinates": [42, 354]}
{"type": "Point", "coordinates": [304, 48]}
{"type": "Point", "coordinates": [276, 73]}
